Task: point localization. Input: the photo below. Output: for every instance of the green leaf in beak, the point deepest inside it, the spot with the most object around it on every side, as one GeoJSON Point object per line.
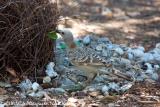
{"type": "Point", "coordinates": [52, 35]}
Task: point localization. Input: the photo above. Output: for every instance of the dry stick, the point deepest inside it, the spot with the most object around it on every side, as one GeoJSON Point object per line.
{"type": "Point", "coordinates": [144, 102]}
{"type": "Point", "coordinates": [148, 102]}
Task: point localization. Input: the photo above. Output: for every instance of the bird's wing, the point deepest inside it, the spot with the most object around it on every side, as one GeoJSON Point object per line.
{"type": "Point", "coordinates": [86, 56]}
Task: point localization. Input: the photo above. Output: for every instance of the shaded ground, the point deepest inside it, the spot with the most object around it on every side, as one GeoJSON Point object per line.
{"type": "Point", "coordinates": [130, 21]}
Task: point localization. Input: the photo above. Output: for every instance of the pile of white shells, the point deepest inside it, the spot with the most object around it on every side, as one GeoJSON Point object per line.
{"type": "Point", "coordinates": [129, 64]}
{"type": "Point", "coordinates": [35, 90]}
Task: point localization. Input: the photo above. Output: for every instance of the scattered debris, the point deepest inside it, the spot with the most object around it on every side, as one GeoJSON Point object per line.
{"type": "Point", "coordinates": [2, 91]}
{"type": "Point", "coordinates": [5, 84]}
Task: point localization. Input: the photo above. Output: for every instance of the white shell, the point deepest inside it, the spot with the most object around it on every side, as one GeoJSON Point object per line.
{"type": "Point", "coordinates": [156, 51]}
{"type": "Point", "coordinates": [149, 66]}
{"type": "Point", "coordinates": [156, 57]}
{"type": "Point", "coordinates": [46, 79]}
{"type": "Point", "coordinates": [2, 105]}
{"type": "Point", "coordinates": [126, 87]}
{"type": "Point", "coordinates": [114, 86]}
{"type": "Point", "coordinates": [105, 90]}
{"type": "Point", "coordinates": [124, 61]}
{"type": "Point", "coordinates": [38, 94]}
{"type": "Point", "coordinates": [50, 70]}
{"type": "Point", "coordinates": [25, 85]}
{"type": "Point", "coordinates": [35, 86]}
{"type": "Point", "coordinates": [72, 100]}
{"type": "Point", "coordinates": [86, 39]}
{"type": "Point", "coordinates": [158, 45]}
{"type": "Point", "coordinates": [141, 48]}
{"type": "Point", "coordinates": [119, 51]}
{"type": "Point", "coordinates": [155, 76]}
{"type": "Point", "coordinates": [99, 47]}
{"type": "Point", "coordinates": [156, 67]}
{"type": "Point", "coordinates": [130, 56]}
{"type": "Point", "coordinates": [110, 46]}
{"type": "Point", "coordinates": [149, 71]}
{"type": "Point", "coordinates": [105, 53]}
{"type": "Point", "coordinates": [137, 53]}
{"type": "Point", "coordinates": [147, 57]}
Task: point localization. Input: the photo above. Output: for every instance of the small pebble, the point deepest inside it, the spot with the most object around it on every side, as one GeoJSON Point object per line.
{"type": "Point", "coordinates": [46, 79]}
{"type": "Point", "coordinates": [25, 85]}
{"type": "Point", "coordinates": [35, 86]}
{"type": "Point", "coordinates": [38, 94]}
{"type": "Point", "coordinates": [86, 40]}
{"type": "Point", "coordinates": [105, 89]}
{"type": "Point", "coordinates": [94, 93]}
{"type": "Point", "coordinates": [50, 70]}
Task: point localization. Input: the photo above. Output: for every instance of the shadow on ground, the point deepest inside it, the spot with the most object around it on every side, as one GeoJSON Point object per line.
{"type": "Point", "coordinates": [130, 22]}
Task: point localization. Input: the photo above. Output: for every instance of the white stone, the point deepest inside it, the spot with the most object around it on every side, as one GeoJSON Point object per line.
{"type": "Point", "coordinates": [114, 86]}
{"type": "Point", "coordinates": [126, 87]}
{"type": "Point", "coordinates": [141, 48]}
{"type": "Point", "coordinates": [38, 94]}
{"type": "Point", "coordinates": [105, 89]}
{"type": "Point", "coordinates": [156, 67]}
{"type": "Point", "coordinates": [155, 76]}
{"type": "Point", "coordinates": [130, 56]}
{"type": "Point", "coordinates": [147, 57]}
{"type": "Point", "coordinates": [86, 39]}
{"type": "Point", "coordinates": [99, 47]}
{"type": "Point", "coordinates": [50, 70]}
{"type": "Point", "coordinates": [119, 51]}
{"type": "Point", "coordinates": [25, 85]}
{"type": "Point", "coordinates": [149, 66]}
{"type": "Point", "coordinates": [35, 86]}
{"type": "Point", "coordinates": [46, 79]}
{"type": "Point", "coordinates": [158, 45]}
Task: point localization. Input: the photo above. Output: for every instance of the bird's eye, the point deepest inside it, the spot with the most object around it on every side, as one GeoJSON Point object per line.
{"type": "Point", "coordinates": [62, 33]}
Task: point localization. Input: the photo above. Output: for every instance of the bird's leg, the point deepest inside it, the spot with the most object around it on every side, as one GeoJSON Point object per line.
{"type": "Point", "coordinates": [89, 80]}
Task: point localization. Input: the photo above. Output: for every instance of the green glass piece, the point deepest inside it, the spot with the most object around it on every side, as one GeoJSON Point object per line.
{"type": "Point", "coordinates": [63, 46]}
{"type": "Point", "coordinates": [78, 43]}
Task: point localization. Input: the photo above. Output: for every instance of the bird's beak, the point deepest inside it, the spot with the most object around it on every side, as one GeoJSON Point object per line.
{"type": "Point", "coordinates": [57, 31]}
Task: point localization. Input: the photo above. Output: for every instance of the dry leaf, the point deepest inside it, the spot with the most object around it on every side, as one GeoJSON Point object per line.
{"type": "Point", "coordinates": [3, 97]}
{"type": "Point", "coordinates": [2, 91]}
{"type": "Point", "coordinates": [11, 71]}
{"type": "Point", "coordinates": [109, 99]}
{"type": "Point", "coordinates": [15, 80]}
{"type": "Point", "coordinates": [94, 93]}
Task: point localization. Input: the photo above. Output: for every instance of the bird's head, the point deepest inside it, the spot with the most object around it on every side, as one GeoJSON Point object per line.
{"type": "Point", "coordinates": [67, 37]}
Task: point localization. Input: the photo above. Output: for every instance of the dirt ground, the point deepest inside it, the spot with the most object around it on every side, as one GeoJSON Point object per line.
{"type": "Point", "coordinates": [127, 21]}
